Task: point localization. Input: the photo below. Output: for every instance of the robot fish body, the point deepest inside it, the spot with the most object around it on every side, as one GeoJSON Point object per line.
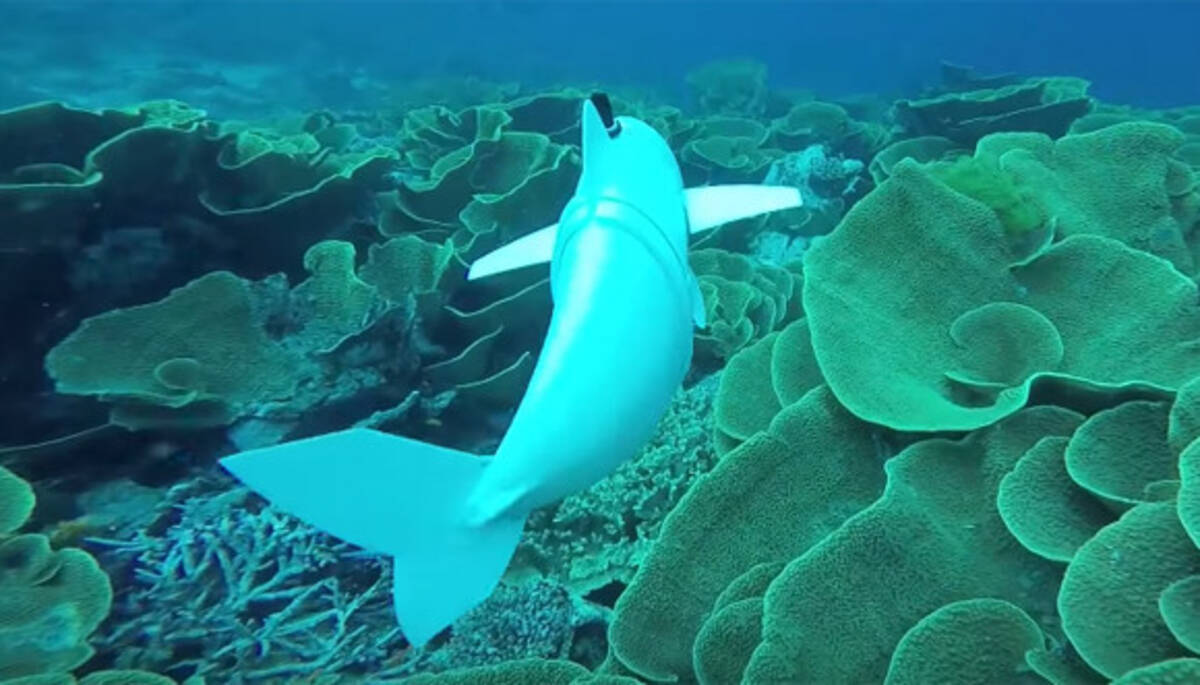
{"type": "Point", "coordinates": [616, 350]}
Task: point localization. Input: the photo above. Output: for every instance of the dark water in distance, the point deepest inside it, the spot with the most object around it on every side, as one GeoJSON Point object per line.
{"type": "Point", "coordinates": [1141, 53]}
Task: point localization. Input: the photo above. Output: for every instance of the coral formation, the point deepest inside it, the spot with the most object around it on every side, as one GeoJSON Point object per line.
{"type": "Point", "coordinates": [943, 424]}
{"type": "Point", "coordinates": [230, 590]}
{"type": "Point", "coordinates": [53, 599]}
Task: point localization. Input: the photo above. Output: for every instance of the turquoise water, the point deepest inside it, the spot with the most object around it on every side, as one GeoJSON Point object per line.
{"type": "Point", "coordinates": [1133, 52]}
{"type": "Point", "coordinates": [867, 349]}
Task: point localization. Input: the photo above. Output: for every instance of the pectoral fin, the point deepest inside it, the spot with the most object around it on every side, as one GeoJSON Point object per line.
{"type": "Point", "coordinates": [707, 207]}
{"type": "Point", "coordinates": [711, 206]}
{"type": "Point", "coordinates": [530, 249]}
{"type": "Point", "coordinates": [699, 315]}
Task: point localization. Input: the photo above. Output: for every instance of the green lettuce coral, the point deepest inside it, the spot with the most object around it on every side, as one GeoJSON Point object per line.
{"type": "Point", "coordinates": [50, 600]}
{"type": "Point", "coordinates": [744, 299]}
{"type": "Point", "coordinates": [887, 342]}
{"type": "Point", "coordinates": [1121, 182]}
{"type": "Point", "coordinates": [989, 184]}
{"type": "Point", "coordinates": [769, 500]}
{"type": "Point", "coordinates": [221, 347]}
{"type": "Point", "coordinates": [200, 346]}
{"type": "Point", "coordinates": [486, 192]}
{"type": "Point", "coordinates": [1039, 519]}
{"type": "Point", "coordinates": [734, 86]}
{"type": "Point", "coordinates": [1047, 105]}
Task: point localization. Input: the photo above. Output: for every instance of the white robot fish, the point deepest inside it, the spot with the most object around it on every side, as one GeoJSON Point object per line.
{"type": "Point", "coordinates": [617, 348]}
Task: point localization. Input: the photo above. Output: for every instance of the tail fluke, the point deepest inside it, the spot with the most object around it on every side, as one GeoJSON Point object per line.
{"type": "Point", "coordinates": [394, 496]}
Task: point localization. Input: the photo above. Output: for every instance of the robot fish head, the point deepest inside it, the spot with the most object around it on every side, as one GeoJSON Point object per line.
{"type": "Point", "coordinates": [630, 171]}
{"type": "Point", "coordinates": [625, 159]}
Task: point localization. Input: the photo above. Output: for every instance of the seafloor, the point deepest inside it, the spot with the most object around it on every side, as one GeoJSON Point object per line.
{"type": "Point", "coordinates": [943, 425]}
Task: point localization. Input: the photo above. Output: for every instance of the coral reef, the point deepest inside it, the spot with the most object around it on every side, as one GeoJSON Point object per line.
{"type": "Point", "coordinates": [943, 425]}
{"type": "Point", "coordinates": [1057, 530]}
{"type": "Point", "coordinates": [226, 588]}
{"type": "Point", "coordinates": [52, 599]}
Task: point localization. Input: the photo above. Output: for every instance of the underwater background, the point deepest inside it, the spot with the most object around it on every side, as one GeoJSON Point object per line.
{"type": "Point", "coordinates": [943, 425]}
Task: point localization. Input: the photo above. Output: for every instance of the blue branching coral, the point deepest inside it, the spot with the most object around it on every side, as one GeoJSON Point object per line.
{"type": "Point", "coordinates": [235, 591]}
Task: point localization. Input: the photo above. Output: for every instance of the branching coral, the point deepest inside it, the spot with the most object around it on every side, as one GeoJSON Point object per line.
{"type": "Point", "coordinates": [224, 587]}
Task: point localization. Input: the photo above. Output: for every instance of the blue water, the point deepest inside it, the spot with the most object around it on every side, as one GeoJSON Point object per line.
{"type": "Point", "coordinates": [1142, 53]}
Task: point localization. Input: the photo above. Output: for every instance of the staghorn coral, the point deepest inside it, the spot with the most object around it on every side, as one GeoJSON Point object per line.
{"type": "Point", "coordinates": [224, 587]}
